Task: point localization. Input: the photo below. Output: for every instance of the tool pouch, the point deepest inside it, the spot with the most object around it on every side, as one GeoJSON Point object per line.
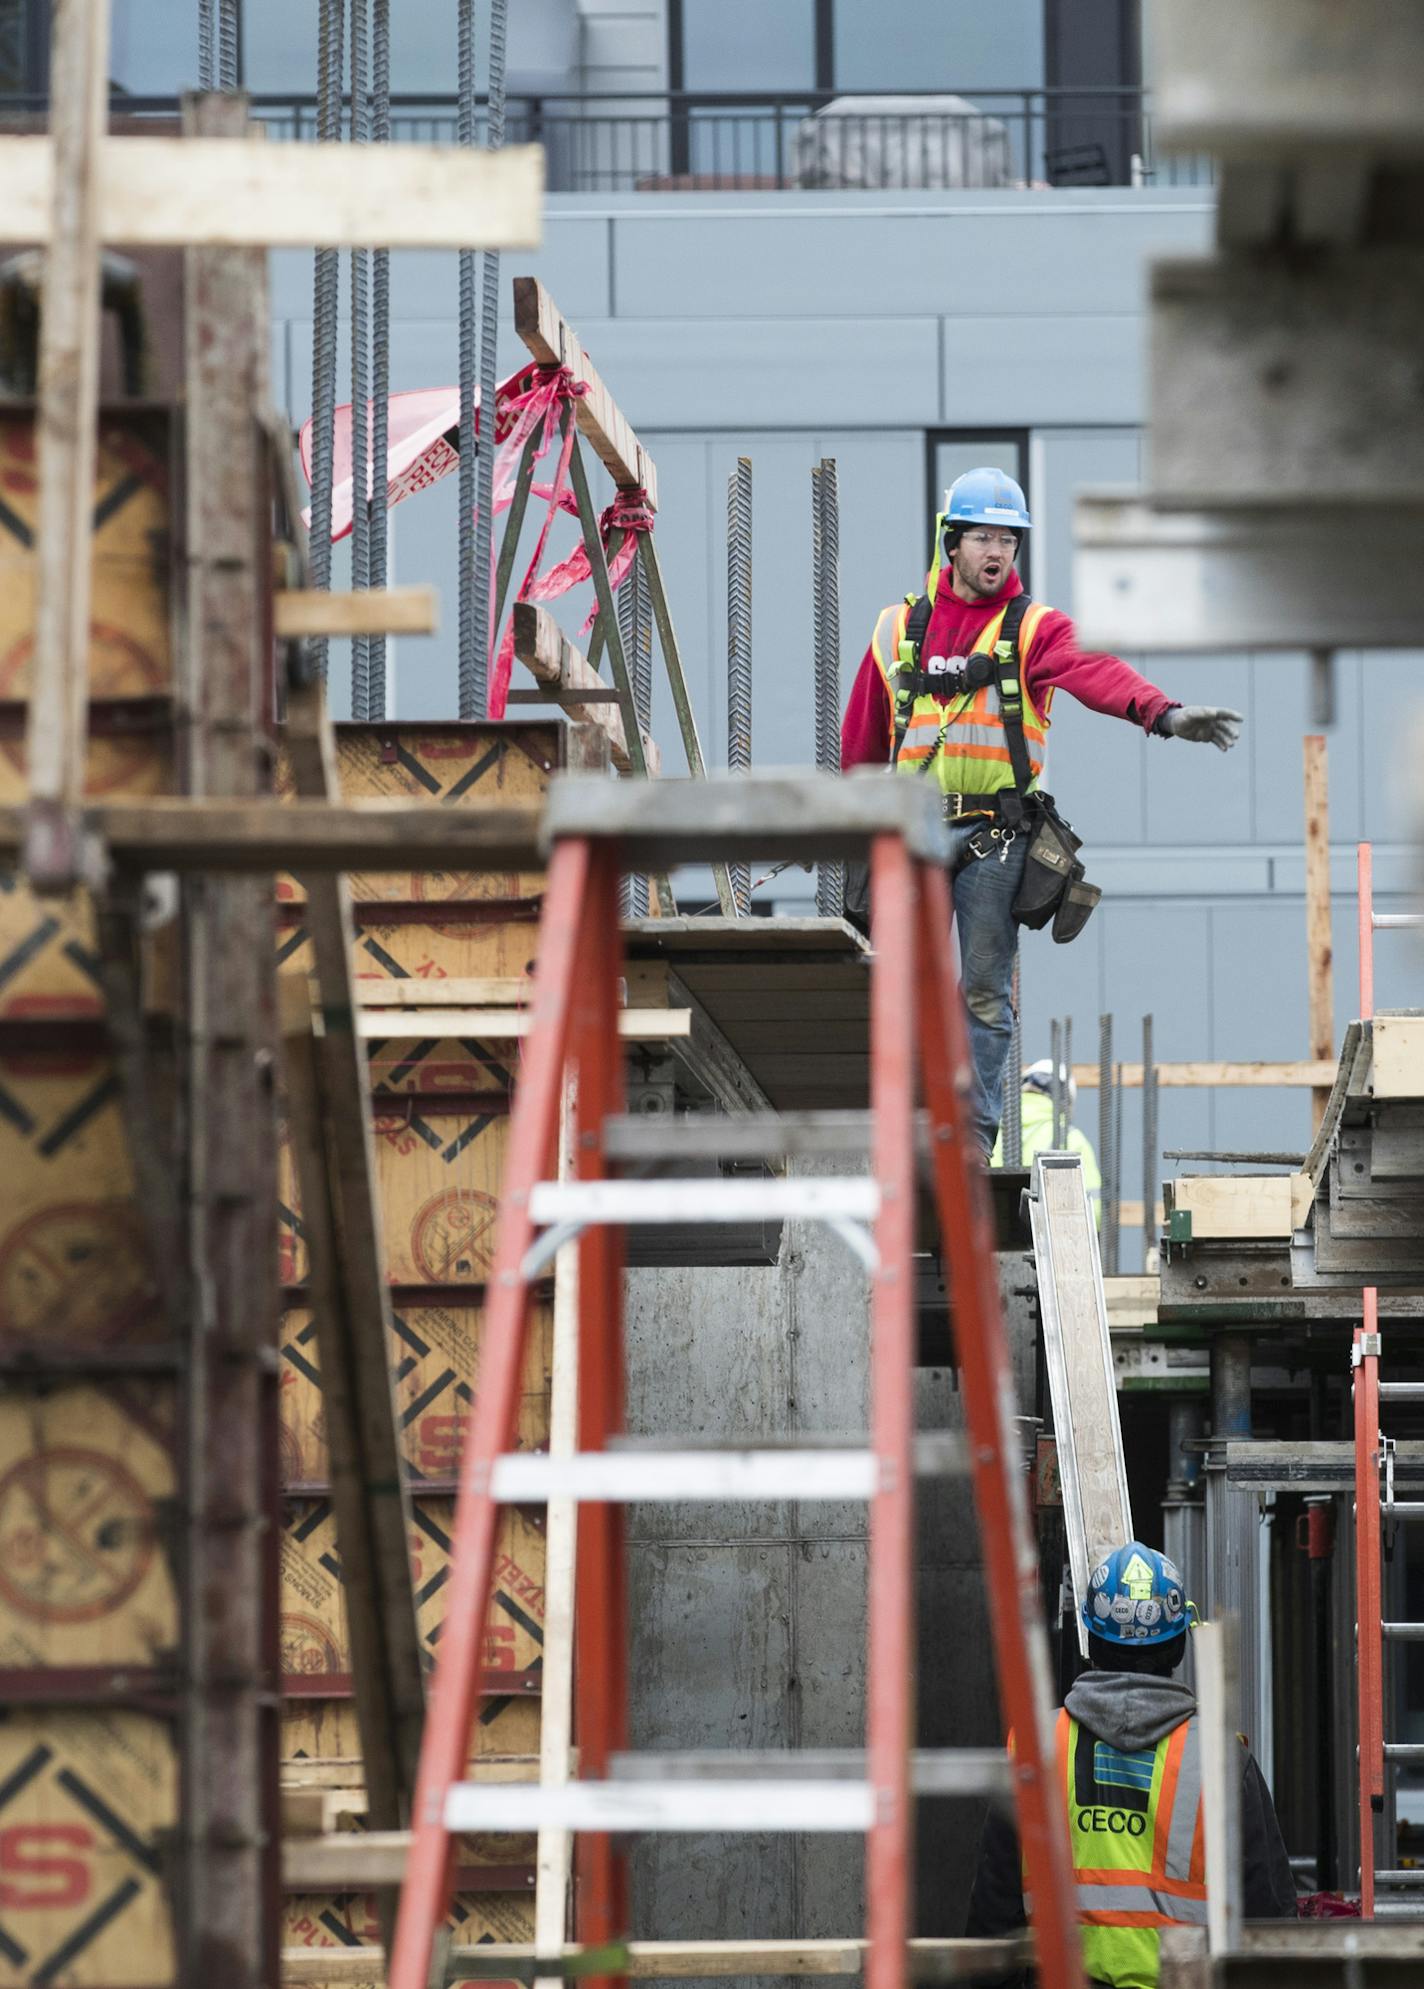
{"type": "Point", "coordinates": [1053, 886]}
{"type": "Point", "coordinates": [856, 903]}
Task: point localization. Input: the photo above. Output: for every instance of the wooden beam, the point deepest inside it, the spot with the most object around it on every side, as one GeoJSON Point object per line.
{"type": "Point", "coordinates": [507, 1025]}
{"type": "Point", "coordinates": [345, 1774]}
{"type": "Point", "coordinates": [300, 611]}
{"type": "Point", "coordinates": [178, 832]}
{"type": "Point", "coordinates": [243, 193]}
{"type": "Point", "coordinates": [564, 670]}
{"type": "Point", "coordinates": [68, 426]}
{"type": "Point", "coordinates": [458, 991]}
{"type": "Point", "coordinates": [1225, 1205]}
{"type": "Point", "coordinates": [938, 1960]}
{"type": "Point", "coordinates": [1187, 1076]}
{"type": "Point", "coordinates": [328, 1082]}
{"type": "Point", "coordinates": [553, 342]}
{"type": "Point", "coordinates": [1319, 945]}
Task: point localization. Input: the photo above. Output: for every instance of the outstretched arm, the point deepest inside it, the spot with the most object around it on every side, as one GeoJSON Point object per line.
{"type": "Point", "coordinates": [1107, 684]}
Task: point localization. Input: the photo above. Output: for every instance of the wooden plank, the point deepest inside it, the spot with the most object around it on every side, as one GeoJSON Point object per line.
{"type": "Point", "coordinates": [330, 1125]}
{"type": "Point", "coordinates": [506, 1025]}
{"type": "Point", "coordinates": [1132, 1300]}
{"type": "Point", "coordinates": [947, 1959]}
{"type": "Point", "coordinates": [1319, 945]}
{"type": "Point", "coordinates": [298, 611]}
{"type": "Point", "coordinates": [68, 418]}
{"type": "Point", "coordinates": [243, 193]}
{"type": "Point", "coordinates": [1398, 1049]}
{"type": "Point", "coordinates": [455, 991]}
{"type": "Point", "coordinates": [343, 1775]}
{"type": "Point", "coordinates": [546, 652]}
{"type": "Point", "coordinates": [553, 342]}
{"type": "Point", "coordinates": [176, 832]}
{"type": "Point", "coordinates": [231, 1719]}
{"type": "Point", "coordinates": [1311, 1072]}
{"type": "Point", "coordinates": [1222, 1205]}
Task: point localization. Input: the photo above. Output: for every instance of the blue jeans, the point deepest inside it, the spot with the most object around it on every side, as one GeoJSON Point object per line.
{"type": "Point", "coordinates": [984, 893]}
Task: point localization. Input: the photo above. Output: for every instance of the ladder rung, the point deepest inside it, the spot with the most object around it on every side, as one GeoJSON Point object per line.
{"type": "Point", "coordinates": [739, 1136]}
{"type": "Point", "coordinates": [1406, 1633]}
{"type": "Point", "coordinates": [1401, 1391]}
{"type": "Point", "coordinates": [1404, 1750]}
{"type": "Point", "coordinates": [936, 1453]}
{"type": "Point", "coordinates": [851, 1198]}
{"type": "Point", "coordinates": [624, 1476]}
{"type": "Point", "coordinates": [1403, 1878]}
{"type": "Point", "coordinates": [963, 1771]}
{"type": "Point", "coordinates": [1403, 1509]}
{"type": "Point", "coordinates": [1399, 1909]}
{"type": "Point", "coordinates": [824, 1805]}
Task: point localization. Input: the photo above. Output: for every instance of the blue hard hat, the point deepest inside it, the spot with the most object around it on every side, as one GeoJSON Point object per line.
{"type": "Point", "coordinates": [986, 497]}
{"type": "Point", "coordinates": [1136, 1596]}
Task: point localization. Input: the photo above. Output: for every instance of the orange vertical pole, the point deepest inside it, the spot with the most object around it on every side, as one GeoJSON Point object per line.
{"type": "Point", "coordinates": [533, 1131]}
{"type": "Point", "coordinates": [601, 1627]}
{"type": "Point", "coordinates": [1020, 1646]}
{"type": "Point", "coordinates": [1369, 1592]}
{"type": "Point", "coordinates": [890, 1656]}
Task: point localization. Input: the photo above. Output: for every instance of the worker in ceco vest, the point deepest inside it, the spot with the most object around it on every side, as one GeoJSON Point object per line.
{"type": "Point", "coordinates": [931, 700]}
{"type": "Point", "coordinates": [1129, 1766]}
{"type": "Point", "coordinates": [1036, 1127]}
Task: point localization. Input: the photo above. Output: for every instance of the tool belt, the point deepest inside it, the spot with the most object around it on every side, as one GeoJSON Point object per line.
{"type": "Point", "coordinates": [1054, 882]}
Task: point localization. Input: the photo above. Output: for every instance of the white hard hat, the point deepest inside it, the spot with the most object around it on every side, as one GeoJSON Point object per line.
{"type": "Point", "coordinates": [1039, 1076]}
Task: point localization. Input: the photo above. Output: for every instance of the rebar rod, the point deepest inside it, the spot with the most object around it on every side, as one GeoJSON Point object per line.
{"type": "Point", "coordinates": [1065, 1080]}
{"type": "Point", "coordinates": [207, 44]}
{"type": "Point", "coordinates": [1013, 1079]}
{"type": "Point", "coordinates": [482, 585]}
{"type": "Point", "coordinates": [1055, 1085]}
{"type": "Point", "coordinates": [1149, 1145]}
{"type": "Point", "coordinates": [1112, 1263]}
{"type": "Point", "coordinates": [227, 45]}
{"type": "Point", "coordinates": [739, 644]}
{"type": "Point", "coordinates": [380, 356]}
{"type": "Point", "coordinates": [360, 378]}
{"type": "Point", "coordinates": [826, 536]}
{"type": "Point", "coordinates": [471, 686]}
{"type": "Point", "coordinates": [324, 319]}
{"type": "Point", "coordinates": [635, 625]}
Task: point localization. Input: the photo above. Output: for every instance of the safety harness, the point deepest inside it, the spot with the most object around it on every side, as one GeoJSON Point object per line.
{"type": "Point", "coordinates": [999, 667]}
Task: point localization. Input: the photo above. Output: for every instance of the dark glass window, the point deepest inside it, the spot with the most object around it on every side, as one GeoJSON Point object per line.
{"type": "Point", "coordinates": [748, 44]}
{"type": "Point", "coordinates": [952, 453]}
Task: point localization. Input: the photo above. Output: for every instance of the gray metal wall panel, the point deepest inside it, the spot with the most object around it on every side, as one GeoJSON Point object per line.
{"type": "Point", "coordinates": [1281, 715]}
{"type": "Point", "coordinates": [1041, 366]}
{"type": "Point", "coordinates": [821, 256]}
{"type": "Point", "coordinates": [1389, 737]}
{"type": "Point", "coordinates": [1194, 793]}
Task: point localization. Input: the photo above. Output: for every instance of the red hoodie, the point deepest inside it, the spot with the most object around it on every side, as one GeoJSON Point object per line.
{"type": "Point", "coordinates": [1103, 683]}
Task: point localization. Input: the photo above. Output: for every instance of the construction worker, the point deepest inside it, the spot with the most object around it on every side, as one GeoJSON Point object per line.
{"type": "Point", "coordinates": [956, 687]}
{"type": "Point", "coordinates": [1036, 1126]}
{"type": "Point", "coordinates": [1129, 1765]}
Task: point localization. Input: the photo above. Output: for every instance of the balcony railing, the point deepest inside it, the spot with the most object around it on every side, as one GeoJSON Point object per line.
{"type": "Point", "coordinates": [808, 140]}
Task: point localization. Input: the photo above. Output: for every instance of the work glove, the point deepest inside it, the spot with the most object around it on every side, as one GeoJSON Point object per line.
{"type": "Point", "coordinates": [1204, 725]}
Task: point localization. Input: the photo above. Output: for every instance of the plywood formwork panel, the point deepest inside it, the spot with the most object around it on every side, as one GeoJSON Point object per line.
{"type": "Point", "coordinates": [87, 1475]}
{"type": "Point", "coordinates": [73, 1264]}
{"type": "Point", "coordinates": [87, 1804]}
{"type": "Point", "coordinates": [131, 611]}
{"type": "Point", "coordinates": [494, 939]}
{"type": "Point", "coordinates": [435, 1351]}
{"type": "Point", "coordinates": [346, 1920]}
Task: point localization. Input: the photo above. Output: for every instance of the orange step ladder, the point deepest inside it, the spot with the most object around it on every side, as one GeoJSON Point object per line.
{"type": "Point", "coordinates": [599, 829]}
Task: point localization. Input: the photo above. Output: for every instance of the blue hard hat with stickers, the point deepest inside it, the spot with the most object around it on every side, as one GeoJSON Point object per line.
{"type": "Point", "coordinates": [986, 496]}
{"type": "Point", "coordinates": [1137, 1596]}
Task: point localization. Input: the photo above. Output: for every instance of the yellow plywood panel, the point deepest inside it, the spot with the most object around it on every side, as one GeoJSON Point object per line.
{"type": "Point", "coordinates": [414, 949]}
{"type": "Point", "coordinates": [128, 763]}
{"type": "Point", "coordinates": [85, 1475]}
{"type": "Point", "coordinates": [1223, 1205]}
{"type": "Point", "coordinates": [88, 1805]}
{"type": "Point", "coordinates": [448, 766]}
{"type": "Point", "coordinates": [326, 1730]}
{"type": "Point", "coordinates": [350, 1920]}
{"type": "Point", "coordinates": [435, 1365]}
{"type": "Point", "coordinates": [72, 1257]}
{"type": "Point", "coordinates": [131, 653]}
{"type": "Point", "coordinates": [314, 1640]}
{"type": "Point", "coordinates": [439, 1175]}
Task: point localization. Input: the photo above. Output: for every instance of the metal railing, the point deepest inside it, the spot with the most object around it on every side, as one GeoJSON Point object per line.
{"type": "Point", "coordinates": [761, 140]}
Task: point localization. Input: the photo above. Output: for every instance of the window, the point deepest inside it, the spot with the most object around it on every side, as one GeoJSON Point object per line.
{"type": "Point", "coordinates": [951, 45]}
{"type": "Point", "coordinates": [950, 455]}
{"type": "Point", "coordinates": [24, 46]}
{"type": "Point", "coordinates": [747, 45]}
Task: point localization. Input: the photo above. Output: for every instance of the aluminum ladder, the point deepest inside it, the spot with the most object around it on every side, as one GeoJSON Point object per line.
{"type": "Point", "coordinates": [598, 830]}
